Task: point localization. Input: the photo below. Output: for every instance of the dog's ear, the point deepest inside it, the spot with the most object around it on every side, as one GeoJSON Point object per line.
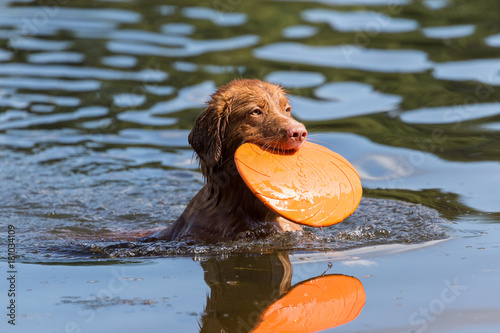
{"type": "Point", "coordinates": [207, 135]}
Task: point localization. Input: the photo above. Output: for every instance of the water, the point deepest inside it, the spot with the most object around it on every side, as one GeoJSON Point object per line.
{"type": "Point", "coordinates": [96, 103]}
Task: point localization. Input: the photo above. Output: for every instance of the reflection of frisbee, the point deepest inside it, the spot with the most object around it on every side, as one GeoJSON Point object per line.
{"type": "Point", "coordinates": [313, 186]}
{"type": "Point", "coordinates": [314, 305]}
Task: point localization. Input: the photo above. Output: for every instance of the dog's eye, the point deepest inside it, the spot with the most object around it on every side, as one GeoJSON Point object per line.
{"type": "Point", "coordinates": [255, 112]}
{"type": "Point", "coordinates": [288, 109]}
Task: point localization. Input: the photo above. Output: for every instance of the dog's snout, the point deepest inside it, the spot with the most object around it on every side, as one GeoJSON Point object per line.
{"type": "Point", "coordinates": [297, 132]}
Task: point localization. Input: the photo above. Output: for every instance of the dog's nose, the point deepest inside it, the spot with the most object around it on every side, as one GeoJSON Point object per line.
{"type": "Point", "coordinates": [297, 132]}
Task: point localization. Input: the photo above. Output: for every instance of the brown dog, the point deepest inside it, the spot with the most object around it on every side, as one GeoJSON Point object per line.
{"type": "Point", "coordinates": [241, 111]}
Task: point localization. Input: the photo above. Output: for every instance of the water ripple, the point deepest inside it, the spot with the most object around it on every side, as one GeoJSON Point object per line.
{"type": "Point", "coordinates": [17, 16]}
{"type": "Point", "coordinates": [359, 21]}
{"type": "Point", "coordinates": [220, 18]}
{"type": "Point", "coordinates": [128, 137]}
{"type": "Point", "coordinates": [128, 100]}
{"type": "Point", "coordinates": [142, 156]}
{"type": "Point", "coordinates": [33, 44]}
{"type": "Point", "coordinates": [77, 72]}
{"type": "Point", "coordinates": [178, 28]}
{"type": "Point", "coordinates": [145, 118]}
{"type": "Point", "coordinates": [436, 4]}
{"type": "Point", "coordinates": [137, 136]}
{"type": "Point", "coordinates": [56, 57]}
{"type": "Point", "coordinates": [454, 31]}
{"type": "Point", "coordinates": [41, 98]}
{"type": "Point", "coordinates": [483, 70]}
{"type": "Point", "coordinates": [343, 99]}
{"type": "Point", "coordinates": [188, 98]}
{"type": "Point", "coordinates": [296, 79]}
{"type": "Point", "coordinates": [299, 31]}
{"type": "Point", "coordinates": [493, 41]}
{"type": "Point", "coordinates": [49, 84]}
{"type": "Point", "coordinates": [357, 2]}
{"type": "Point", "coordinates": [5, 55]}
{"type": "Point", "coordinates": [10, 115]}
{"type": "Point", "coordinates": [159, 90]}
{"type": "Point", "coordinates": [346, 56]}
{"type": "Point", "coordinates": [119, 61]}
{"type": "Point", "coordinates": [148, 37]}
{"type": "Point", "coordinates": [22, 138]}
{"type": "Point", "coordinates": [42, 108]}
{"type": "Point", "coordinates": [189, 47]}
{"type": "Point", "coordinates": [34, 120]}
{"type": "Point", "coordinates": [451, 114]}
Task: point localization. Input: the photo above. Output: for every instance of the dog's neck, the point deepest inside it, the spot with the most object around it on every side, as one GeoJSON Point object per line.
{"type": "Point", "coordinates": [228, 188]}
{"type": "Point", "coordinates": [227, 205]}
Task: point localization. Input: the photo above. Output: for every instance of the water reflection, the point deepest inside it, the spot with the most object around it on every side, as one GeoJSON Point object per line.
{"type": "Point", "coordinates": [314, 305]}
{"type": "Point", "coordinates": [37, 22]}
{"type": "Point", "coordinates": [33, 83]}
{"type": "Point", "coordinates": [5, 55]}
{"type": "Point", "coordinates": [493, 41]}
{"type": "Point", "coordinates": [184, 46]}
{"type": "Point", "coordinates": [451, 114]}
{"type": "Point", "coordinates": [358, 2]}
{"type": "Point", "coordinates": [178, 28]}
{"type": "Point", "coordinates": [217, 17]}
{"type": "Point", "coordinates": [254, 294]}
{"type": "Point", "coordinates": [145, 118]}
{"type": "Point", "coordinates": [455, 31]}
{"type": "Point", "coordinates": [296, 79]}
{"type": "Point", "coordinates": [436, 4]}
{"type": "Point", "coordinates": [120, 61]}
{"type": "Point", "coordinates": [484, 70]}
{"type": "Point", "coordinates": [33, 120]}
{"type": "Point", "coordinates": [346, 56]}
{"type": "Point", "coordinates": [338, 100]}
{"type": "Point", "coordinates": [188, 97]}
{"type": "Point", "coordinates": [128, 100]}
{"type": "Point", "coordinates": [299, 31]}
{"type": "Point", "coordinates": [56, 57]}
{"type": "Point", "coordinates": [78, 72]}
{"type": "Point", "coordinates": [359, 21]}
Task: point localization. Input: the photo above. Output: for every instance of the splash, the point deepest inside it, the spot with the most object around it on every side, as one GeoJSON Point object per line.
{"type": "Point", "coordinates": [376, 222]}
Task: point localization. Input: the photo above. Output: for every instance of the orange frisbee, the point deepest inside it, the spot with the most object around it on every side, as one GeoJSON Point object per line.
{"type": "Point", "coordinates": [314, 305]}
{"type": "Point", "coordinates": [313, 186]}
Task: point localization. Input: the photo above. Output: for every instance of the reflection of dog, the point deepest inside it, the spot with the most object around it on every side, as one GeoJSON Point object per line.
{"type": "Point", "coordinates": [241, 288]}
{"type": "Point", "coordinates": [254, 294]}
{"type": "Point", "coordinates": [242, 111]}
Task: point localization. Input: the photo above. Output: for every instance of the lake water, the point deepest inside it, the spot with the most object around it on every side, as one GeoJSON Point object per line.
{"type": "Point", "coordinates": [97, 99]}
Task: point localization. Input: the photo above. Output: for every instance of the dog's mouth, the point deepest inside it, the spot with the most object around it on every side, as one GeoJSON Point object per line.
{"type": "Point", "coordinates": [278, 147]}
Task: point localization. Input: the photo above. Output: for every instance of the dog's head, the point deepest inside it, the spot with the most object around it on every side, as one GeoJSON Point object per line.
{"type": "Point", "coordinates": [245, 111]}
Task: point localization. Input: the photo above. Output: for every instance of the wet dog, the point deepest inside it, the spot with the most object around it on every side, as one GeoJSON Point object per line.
{"type": "Point", "coordinates": [225, 209]}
